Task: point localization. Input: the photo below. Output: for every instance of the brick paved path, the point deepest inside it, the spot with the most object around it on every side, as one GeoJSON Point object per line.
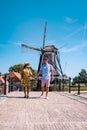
{"type": "Point", "coordinates": [62, 111]}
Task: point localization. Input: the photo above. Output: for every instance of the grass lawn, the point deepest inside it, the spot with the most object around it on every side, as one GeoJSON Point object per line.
{"type": "Point", "coordinates": [75, 88]}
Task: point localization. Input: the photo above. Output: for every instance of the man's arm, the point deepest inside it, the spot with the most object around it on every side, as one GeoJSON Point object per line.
{"type": "Point", "coordinates": [52, 73]}
{"type": "Point", "coordinates": [40, 72]}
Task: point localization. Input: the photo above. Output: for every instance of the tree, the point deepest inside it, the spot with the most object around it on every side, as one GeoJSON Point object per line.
{"type": "Point", "coordinates": [33, 71]}
{"type": "Point", "coordinates": [16, 68]}
{"type": "Point", "coordinates": [19, 67]}
{"type": "Point", "coordinates": [82, 77]}
{"type": "Point", "coordinates": [75, 80]}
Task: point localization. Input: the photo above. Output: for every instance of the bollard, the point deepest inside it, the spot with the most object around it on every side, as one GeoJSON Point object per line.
{"type": "Point", "coordinates": [60, 85]}
{"type": "Point", "coordinates": [69, 89]}
{"type": "Point", "coordinates": [78, 88]}
{"type": "Point", "coordinates": [9, 85]}
{"type": "Point", "coordinates": [63, 85]}
{"type": "Point", "coordinates": [69, 85]}
{"type": "Point", "coordinates": [5, 85]}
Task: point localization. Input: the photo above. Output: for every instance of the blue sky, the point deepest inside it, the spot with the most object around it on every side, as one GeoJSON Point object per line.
{"type": "Point", "coordinates": [22, 21]}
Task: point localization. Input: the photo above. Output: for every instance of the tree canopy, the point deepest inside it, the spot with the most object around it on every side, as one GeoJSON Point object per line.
{"type": "Point", "coordinates": [81, 78]}
{"type": "Point", "coordinates": [19, 67]}
{"type": "Point", "coordinates": [16, 68]}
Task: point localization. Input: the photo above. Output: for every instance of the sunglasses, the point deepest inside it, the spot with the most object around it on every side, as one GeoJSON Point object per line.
{"type": "Point", "coordinates": [27, 66]}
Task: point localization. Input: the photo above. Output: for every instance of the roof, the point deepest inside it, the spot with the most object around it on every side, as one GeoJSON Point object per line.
{"type": "Point", "coordinates": [2, 80]}
{"type": "Point", "coordinates": [15, 76]}
{"type": "Point", "coordinates": [51, 48]}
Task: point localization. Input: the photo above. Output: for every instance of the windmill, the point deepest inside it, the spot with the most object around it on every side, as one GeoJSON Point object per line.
{"type": "Point", "coordinates": [48, 51]}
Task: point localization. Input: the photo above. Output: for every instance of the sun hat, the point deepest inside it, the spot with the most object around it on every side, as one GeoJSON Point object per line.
{"type": "Point", "coordinates": [26, 64]}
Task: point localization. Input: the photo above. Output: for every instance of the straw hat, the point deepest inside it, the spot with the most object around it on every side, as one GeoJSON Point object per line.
{"type": "Point", "coordinates": [26, 64]}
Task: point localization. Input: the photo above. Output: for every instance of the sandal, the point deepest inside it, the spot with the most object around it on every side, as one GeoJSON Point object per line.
{"type": "Point", "coordinates": [25, 96]}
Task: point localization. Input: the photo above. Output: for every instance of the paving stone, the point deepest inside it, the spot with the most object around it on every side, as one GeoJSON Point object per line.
{"type": "Point", "coordinates": [62, 111]}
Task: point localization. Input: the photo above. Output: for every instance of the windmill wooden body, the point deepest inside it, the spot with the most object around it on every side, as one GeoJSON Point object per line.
{"type": "Point", "coordinates": [52, 53]}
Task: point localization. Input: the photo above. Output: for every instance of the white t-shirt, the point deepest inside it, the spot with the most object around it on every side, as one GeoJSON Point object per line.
{"type": "Point", "coordinates": [46, 71]}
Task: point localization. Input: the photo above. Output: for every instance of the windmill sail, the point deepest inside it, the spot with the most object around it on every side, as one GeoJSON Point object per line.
{"type": "Point", "coordinates": [58, 59]}
{"type": "Point", "coordinates": [44, 34]}
{"type": "Point", "coordinates": [29, 47]}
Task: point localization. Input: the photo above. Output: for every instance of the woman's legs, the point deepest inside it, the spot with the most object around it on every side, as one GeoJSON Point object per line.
{"type": "Point", "coordinates": [25, 92]}
{"type": "Point", "coordinates": [28, 92]}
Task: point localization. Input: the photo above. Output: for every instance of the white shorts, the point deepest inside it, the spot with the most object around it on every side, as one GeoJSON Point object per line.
{"type": "Point", "coordinates": [45, 82]}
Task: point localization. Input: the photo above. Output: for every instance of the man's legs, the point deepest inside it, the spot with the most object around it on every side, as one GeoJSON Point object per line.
{"type": "Point", "coordinates": [47, 83]}
{"type": "Point", "coordinates": [42, 89]}
{"type": "Point", "coordinates": [47, 87]}
{"type": "Point", "coordinates": [47, 90]}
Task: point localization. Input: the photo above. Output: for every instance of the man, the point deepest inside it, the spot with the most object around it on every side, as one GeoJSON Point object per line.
{"type": "Point", "coordinates": [47, 75]}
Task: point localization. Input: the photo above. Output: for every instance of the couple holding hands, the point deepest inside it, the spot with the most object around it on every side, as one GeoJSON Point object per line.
{"type": "Point", "coordinates": [46, 70]}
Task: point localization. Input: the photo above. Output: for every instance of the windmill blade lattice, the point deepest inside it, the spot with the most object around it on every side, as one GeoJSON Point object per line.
{"type": "Point", "coordinates": [29, 47]}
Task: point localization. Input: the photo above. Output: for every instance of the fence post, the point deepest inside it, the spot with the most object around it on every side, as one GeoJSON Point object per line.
{"type": "Point", "coordinates": [63, 84]}
{"type": "Point", "coordinates": [9, 85]}
{"type": "Point", "coordinates": [59, 84]}
{"type": "Point", "coordinates": [78, 88]}
{"type": "Point", "coordinates": [69, 85]}
{"type": "Point", "coordinates": [5, 84]}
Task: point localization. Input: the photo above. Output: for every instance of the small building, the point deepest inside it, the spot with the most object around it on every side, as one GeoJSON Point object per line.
{"type": "Point", "coordinates": [15, 81]}
{"type": "Point", "coordinates": [2, 84]}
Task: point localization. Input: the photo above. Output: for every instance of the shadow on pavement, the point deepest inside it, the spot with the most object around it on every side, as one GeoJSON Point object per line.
{"type": "Point", "coordinates": [21, 97]}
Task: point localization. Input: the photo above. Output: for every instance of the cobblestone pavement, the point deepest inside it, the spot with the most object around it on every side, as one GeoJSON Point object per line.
{"type": "Point", "coordinates": [82, 94]}
{"type": "Point", "coordinates": [62, 111]}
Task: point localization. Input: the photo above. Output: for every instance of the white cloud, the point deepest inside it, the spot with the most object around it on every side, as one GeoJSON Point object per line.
{"type": "Point", "coordinates": [17, 43]}
{"type": "Point", "coordinates": [75, 48]}
{"type": "Point", "coordinates": [70, 20]}
{"type": "Point", "coordinates": [50, 41]}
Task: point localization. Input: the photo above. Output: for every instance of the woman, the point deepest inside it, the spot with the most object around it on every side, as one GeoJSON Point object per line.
{"type": "Point", "coordinates": [25, 79]}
